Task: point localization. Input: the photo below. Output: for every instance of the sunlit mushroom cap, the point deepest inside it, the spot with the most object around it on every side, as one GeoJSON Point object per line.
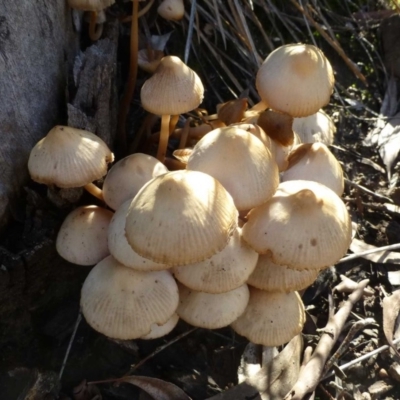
{"type": "Point", "coordinates": [90, 5]}
{"type": "Point", "coordinates": [240, 161]}
{"type": "Point", "coordinates": [211, 311]}
{"type": "Point", "coordinates": [315, 162]}
{"type": "Point", "coordinates": [158, 331]}
{"type": "Point", "coordinates": [271, 318]}
{"type": "Point", "coordinates": [171, 10]}
{"type": "Point", "coordinates": [279, 278]}
{"type": "Point", "coordinates": [82, 238]}
{"type": "Point", "coordinates": [305, 226]}
{"type": "Point", "coordinates": [120, 248]}
{"type": "Point", "coordinates": [69, 157]}
{"type": "Point", "coordinates": [224, 271]}
{"type": "Point", "coordinates": [127, 177]}
{"type": "Point", "coordinates": [173, 89]}
{"type": "Point", "coordinates": [181, 217]}
{"type": "Point", "coordinates": [122, 303]}
{"type": "Point", "coordinates": [317, 127]}
{"type": "Point", "coordinates": [296, 79]}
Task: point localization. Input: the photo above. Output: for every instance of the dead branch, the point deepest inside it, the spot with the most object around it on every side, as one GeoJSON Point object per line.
{"type": "Point", "coordinates": [311, 374]}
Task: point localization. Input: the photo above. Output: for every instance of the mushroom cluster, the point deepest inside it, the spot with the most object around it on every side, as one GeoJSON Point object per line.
{"type": "Point", "coordinates": [252, 217]}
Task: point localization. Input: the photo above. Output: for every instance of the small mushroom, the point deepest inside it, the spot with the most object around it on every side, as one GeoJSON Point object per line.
{"type": "Point", "coordinates": [171, 10]}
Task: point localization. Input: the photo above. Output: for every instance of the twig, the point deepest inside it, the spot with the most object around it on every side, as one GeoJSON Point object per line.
{"type": "Point", "coordinates": [366, 252]}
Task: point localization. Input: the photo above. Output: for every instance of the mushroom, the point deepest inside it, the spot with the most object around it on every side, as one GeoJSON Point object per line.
{"type": "Point", "coordinates": [173, 89]}
{"type": "Point", "coordinates": [171, 10]}
{"type": "Point", "coordinates": [69, 157]}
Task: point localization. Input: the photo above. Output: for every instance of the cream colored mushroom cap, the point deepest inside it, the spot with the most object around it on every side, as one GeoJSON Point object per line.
{"type": "Point", "coordinates": [120, 248]}
{"type": "Point", "coordinates": [171, 10]}
{"type": "Point", "coordinates": [224, 271]}
{"type": "Point", "coordinates": [317, 127]}
{"type": "Point", "coordinates": [240, 161]}
{"type": "Point", "coordinates": [181, 217]}
{"type": "Point", "coordinates": [279, 278]}
{"type": "Point", "coordinates": [173, 89]}
{"type": "Point", "coordinates": [128, 176]}
{"type": "Point", "coordinates": [296, 79]}
{"type": "Point", "coordinates": [158, 331]}
{"type": "Point", "coordinates": [271, 318]}
{"type": "Point", "coordinates": [82, 238]}
{"type": "Point", "coordinates": [90, 5]}
{"type": "Point", "coordinates": [305, 226]}
{"type": "Point", "coordinates": [315, 162]}
{"type": "Point", "coordinates": [122, 303]}
{"type": "Point", "coordinates": [69, 157]}
{"type": "Point", "coordinates": [211, 311]}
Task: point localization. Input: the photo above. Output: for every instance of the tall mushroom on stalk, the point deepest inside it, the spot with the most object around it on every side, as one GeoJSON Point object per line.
{"type": "Point", "coordinates": [173, 89]}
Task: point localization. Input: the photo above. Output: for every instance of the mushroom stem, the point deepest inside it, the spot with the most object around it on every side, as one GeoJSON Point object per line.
{"type": "Point", "coordinates": [95, 30]}
{"type": "Point", "coordinates": [261, 106]}
{"type": "Point", "coordinates": [172, 123]}
{"type": "Point", "coordinates": [94, 191]}
{"type": "Point", "coordinates": [164, 136]}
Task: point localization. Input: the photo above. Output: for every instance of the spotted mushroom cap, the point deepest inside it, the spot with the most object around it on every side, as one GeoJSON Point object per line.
{"type": "Point", "coordinates": [69, 157]}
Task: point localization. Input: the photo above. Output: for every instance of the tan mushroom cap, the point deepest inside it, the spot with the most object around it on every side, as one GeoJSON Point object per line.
{"type": "Point", "coordinates": [128, 176]}
{"type": "Point", "coordinates": [158, 331]}
{"type": "Point", "coordinates": [173, 89]}
{"type": "Point", "coordinates": [90, 5]}
{"type": "Point", "coordinates": [317, 127]}
{"type": "Point", "coordinates": [224, 271]}
{"type": "Point", "coordinates": [315, 162]}
{"type": "Point", "coordinates": [304, 226]}
{"type": "Point", "coordinates": [82, 238]}
{"type": "Point", "coordinates": [120, 248]}
{"type": "Point", "coordinates": [69, 157]}
{"type": "Point", "coordinates": [240, 161]}
{"type": "Point", "coordinates": [122, 303]}
{"type": "Point", "coordinates": [296, 79]}
{"type": "Point", "coordinates": [181, 217]}
{"type": "Point", "coordinates": [211, 311]}
{"type": "Point", "coordinates": [271, 318]}
{"type": "Point", "coordinates": [279, 278]}
{"type": "Point", "coordinates": [171, 10]}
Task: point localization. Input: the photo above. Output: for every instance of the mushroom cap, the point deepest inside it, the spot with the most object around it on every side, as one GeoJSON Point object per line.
{"type": "Point", "coordinates": [122, 303]}
{"type": "Point", "coordinates": [181, 217]}
{"type": "Point", "coordinates": [171, 10]}
{"type": "Point", "coordinates": [317, 127]}
{"type": "Point", "coordinates": [127, 176]}
{"type": "Point", "coordinates": [82, 238]}
{"type": "Point", "coordinates": [224, 271]}
{"type": "Point", "coordinates": [296, 79]}
{"type": "Point", "coordinates": [305, 226]}
{"type": "Point", "coordinates": [158, 331]}
{"type": "Point", "coordinates": [90, 5]}
{"type": "Point", "coordinates": [240, 161]}
{"type": "Point", "coordinates": [315, 162]}
{"type": "Point", "coordinates": [120, 248]}
{"type": "Point", "coordinates": [271, 318]}
{"type": "Point", "coordinates": [211, 311]}
{"type": "Point", "coordinates": [69, 157]}
{"type": "Point", "coordinates": [173, 89]}
{"type": "Point", "coordinates": [279, 278]}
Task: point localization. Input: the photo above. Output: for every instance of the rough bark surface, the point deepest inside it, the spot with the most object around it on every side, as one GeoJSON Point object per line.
{"type": "Point", "coordinates": [37, 40]}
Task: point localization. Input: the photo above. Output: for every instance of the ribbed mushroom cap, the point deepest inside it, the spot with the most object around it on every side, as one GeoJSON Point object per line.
{"type": "Point", "coordinates": [82, 238]}
{"type": "Point", "coordinates": [127, 177]}
{"type": "Point", "coordinates": [224, 271]}
{"type": "Point", "coordinates": [271, 318]}
{"type": "Point", "coordinates": [211, 311]}
{"type": "Point", "coordinates": [69, 157]}
{"type": "Point", "coordinates": [317, 127]}
{"type": "Point", "coordinates": [122, 303]}
{"type": "Point", "coordinates": [305, 226]}
{"type": "Point", "coordinates": [158, 331]}
{"type": "Point", "coordinates": [171, 10]}
{"type": "Point", "coordinates": [279, 278]}
{"type": "Point", "coordinates": [315, 162]}
{"type": "Point", "coordinates": [296, 79]}
{"type": "Point", "coordinates": [120, 248]}
{"type": "Point", "coordinates": [173, 89]}
{"type": "Point", "coordinates": [90, 5]}
{"type": "Point", "coordinates": [240, 161]}
{"type": "Point", "coordinates": [181, 217]}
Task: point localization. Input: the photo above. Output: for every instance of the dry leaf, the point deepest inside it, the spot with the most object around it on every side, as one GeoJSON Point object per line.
{"type": "Point", "coordinates": [391, 307]}
{"type": "Point", "coordinates": [391, 257]}
{"type": "Point", "coordinates": [156, 388]}
{"type": "Point", "coordinates": [347, 285]}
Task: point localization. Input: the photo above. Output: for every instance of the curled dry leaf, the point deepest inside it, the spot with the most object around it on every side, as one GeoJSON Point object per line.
{"type": "Point", "coordinates": [391, 308]}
